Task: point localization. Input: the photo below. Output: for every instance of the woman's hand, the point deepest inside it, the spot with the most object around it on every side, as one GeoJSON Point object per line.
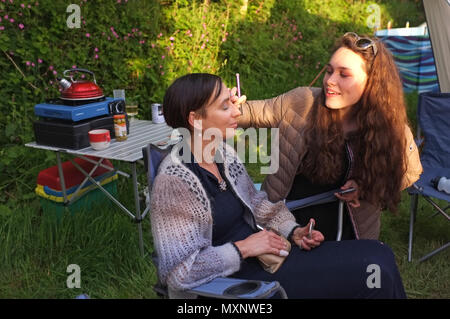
{"type": "Point", "coordinates": [302, 239]}
{"type": "Point", "coordinates": [235, 99]}
{"type": "Point", "coordinates": [262, 242]}
{"type": "Point", "coordinates": [351, 198]}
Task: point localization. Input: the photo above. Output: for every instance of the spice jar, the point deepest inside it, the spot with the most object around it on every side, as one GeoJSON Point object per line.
{"type": "Point", "coordinates": [120, 127]}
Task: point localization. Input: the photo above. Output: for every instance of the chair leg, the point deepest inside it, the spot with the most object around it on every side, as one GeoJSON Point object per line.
{"type": "Point", "coordinates": [340, 220]}
{"type": "Point", "coordinates": [434, 252]}
{"type": "Point", "coordinates": [412, 219]}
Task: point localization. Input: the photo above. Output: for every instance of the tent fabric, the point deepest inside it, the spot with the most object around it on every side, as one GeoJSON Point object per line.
{"type": "Point", "coordinates": [437, 13]}
{"type": "Point", "coordinates": [414, 59]}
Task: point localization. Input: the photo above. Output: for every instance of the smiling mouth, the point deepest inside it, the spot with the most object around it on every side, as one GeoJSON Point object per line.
{"type": "Point", "coordinates": [331, 93]}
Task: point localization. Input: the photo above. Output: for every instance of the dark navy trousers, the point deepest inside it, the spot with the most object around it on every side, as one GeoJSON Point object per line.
{"type": "Point", "coordinates": [345, 269]}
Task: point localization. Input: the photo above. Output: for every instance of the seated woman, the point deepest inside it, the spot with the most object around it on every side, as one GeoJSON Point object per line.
{"type": "Point", "coordinates": [205, 212]}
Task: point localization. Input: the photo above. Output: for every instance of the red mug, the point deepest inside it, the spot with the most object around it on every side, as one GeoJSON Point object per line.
{"type": "Point", "coordinates": [99, 139]}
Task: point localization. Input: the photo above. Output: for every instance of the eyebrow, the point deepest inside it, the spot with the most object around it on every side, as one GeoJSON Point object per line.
{"type": "Point", "coordinates": [341, 67]}
{"type": "Point", "coordinates": [224, 100]}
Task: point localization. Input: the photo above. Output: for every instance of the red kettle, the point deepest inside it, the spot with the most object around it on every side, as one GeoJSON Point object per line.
{"type": "Point", "coordinates": [79, 90]}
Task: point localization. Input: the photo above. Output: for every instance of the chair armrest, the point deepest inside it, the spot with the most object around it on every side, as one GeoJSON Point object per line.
{"type": "Point", "coordinates": [322, 198]}
{"type": "Point", "coordinates": [233, 288]}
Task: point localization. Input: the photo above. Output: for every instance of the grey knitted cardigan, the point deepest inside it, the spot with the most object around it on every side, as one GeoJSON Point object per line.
{"type": "Point", "coordinates": [181, 221]}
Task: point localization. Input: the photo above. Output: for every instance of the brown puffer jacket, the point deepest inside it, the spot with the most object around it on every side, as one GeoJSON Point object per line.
{"type": "Point", "coordinates": [288, 112]}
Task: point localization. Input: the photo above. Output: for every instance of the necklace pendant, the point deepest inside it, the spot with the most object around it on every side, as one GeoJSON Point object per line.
{"type": "Point", "coordinates": [223, 185]}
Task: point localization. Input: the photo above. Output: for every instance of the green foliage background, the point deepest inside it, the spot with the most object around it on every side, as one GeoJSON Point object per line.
{"type": "Point", "coordinates": [142, 45]}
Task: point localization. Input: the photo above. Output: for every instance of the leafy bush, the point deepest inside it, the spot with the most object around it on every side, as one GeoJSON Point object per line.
{"type": "Point", "coordinates": [143, 45]}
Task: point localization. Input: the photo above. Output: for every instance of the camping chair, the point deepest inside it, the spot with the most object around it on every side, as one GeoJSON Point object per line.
{"type": "Point", "coordinates": [434, 121]}
{"type": "Point", "coordinates": [227, 288]}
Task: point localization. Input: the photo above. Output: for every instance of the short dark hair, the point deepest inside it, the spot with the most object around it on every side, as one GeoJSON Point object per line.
{"type": "Point", "coordinates": [189, 93]}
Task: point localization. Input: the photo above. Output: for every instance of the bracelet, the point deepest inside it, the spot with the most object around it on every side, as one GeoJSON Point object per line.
{"type": "Point", "coordinates": [238, 251]}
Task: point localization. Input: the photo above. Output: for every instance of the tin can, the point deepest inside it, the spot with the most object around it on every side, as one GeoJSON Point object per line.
{"type": "Point", "coordinates": [120, 127]}
{"type": "Point", "coordinates": [157, 113]}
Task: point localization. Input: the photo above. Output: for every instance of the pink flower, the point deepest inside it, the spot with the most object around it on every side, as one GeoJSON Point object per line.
{"type": "Point", "coordinates": [74, 66]}
{"type": "Point", "coordinates": [88, 35]}
{"type": "Point", "coordinates": [2, 27]}
{"type": "Point", "coordinates": [50, 67]}
{"type": "Point", "coordinates": [6, 17]}
{"type": "Point", "coordinates": [163, 57]}
{"type": "Point", "coordinates": [32, 64]}
{"type": "Point", "coordinates": [153, 45]}
{"type": "Point", "coordinates": [162, 72]}
{"type": "Point", "coordinates": [11, 20]}
{"type": "Point", "coordinates": [171, 38]}
{"type": "Point", "coordinates": [22, 5]}
{"type": "Point", "coordinates": [21, 26]}
{"type": "Point", "coordinates": [28, 63]}
{"type": "Point", "coordinates": [96, 56]}
{"type": "Point", "coordinates": [40, 61]}
{"type": "Point", "coordinates": [54, 72]}
{"type": "Point", "coordinates": [96, 50]}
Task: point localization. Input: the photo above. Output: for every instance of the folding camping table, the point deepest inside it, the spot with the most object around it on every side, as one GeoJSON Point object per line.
{"type": "Point", "coordinates": [141, 134]}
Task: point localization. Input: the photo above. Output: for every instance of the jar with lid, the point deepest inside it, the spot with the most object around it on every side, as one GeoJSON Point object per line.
{"type": "Point", "coordinates": [120, 127]}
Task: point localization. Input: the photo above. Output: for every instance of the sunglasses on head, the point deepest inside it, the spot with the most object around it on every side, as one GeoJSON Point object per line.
{"type": "Point", "coordinates": [363, 43]}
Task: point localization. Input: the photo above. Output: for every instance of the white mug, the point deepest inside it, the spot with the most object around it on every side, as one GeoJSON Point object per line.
{"type": "Point", "coordinates": [157, 113]}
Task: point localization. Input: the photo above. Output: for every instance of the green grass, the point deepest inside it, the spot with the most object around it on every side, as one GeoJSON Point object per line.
{"type": "Point", "coordinates": [37, 248]}
{"type": "Point", "coordinates": [429, 279]}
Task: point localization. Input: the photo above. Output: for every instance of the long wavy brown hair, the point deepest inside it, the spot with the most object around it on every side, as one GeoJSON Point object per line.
{"type": "Point", "coordinates": [379, 142]}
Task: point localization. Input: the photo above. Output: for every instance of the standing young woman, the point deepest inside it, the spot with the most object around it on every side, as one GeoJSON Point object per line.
{"type": "Point", "coordinates": [353, 132]}
{"type": "Point", "coordinates": [205, 211]}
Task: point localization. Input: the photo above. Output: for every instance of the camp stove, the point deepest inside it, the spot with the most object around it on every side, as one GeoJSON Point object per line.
{"type": "Point", "coordinates": [82, 107]}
